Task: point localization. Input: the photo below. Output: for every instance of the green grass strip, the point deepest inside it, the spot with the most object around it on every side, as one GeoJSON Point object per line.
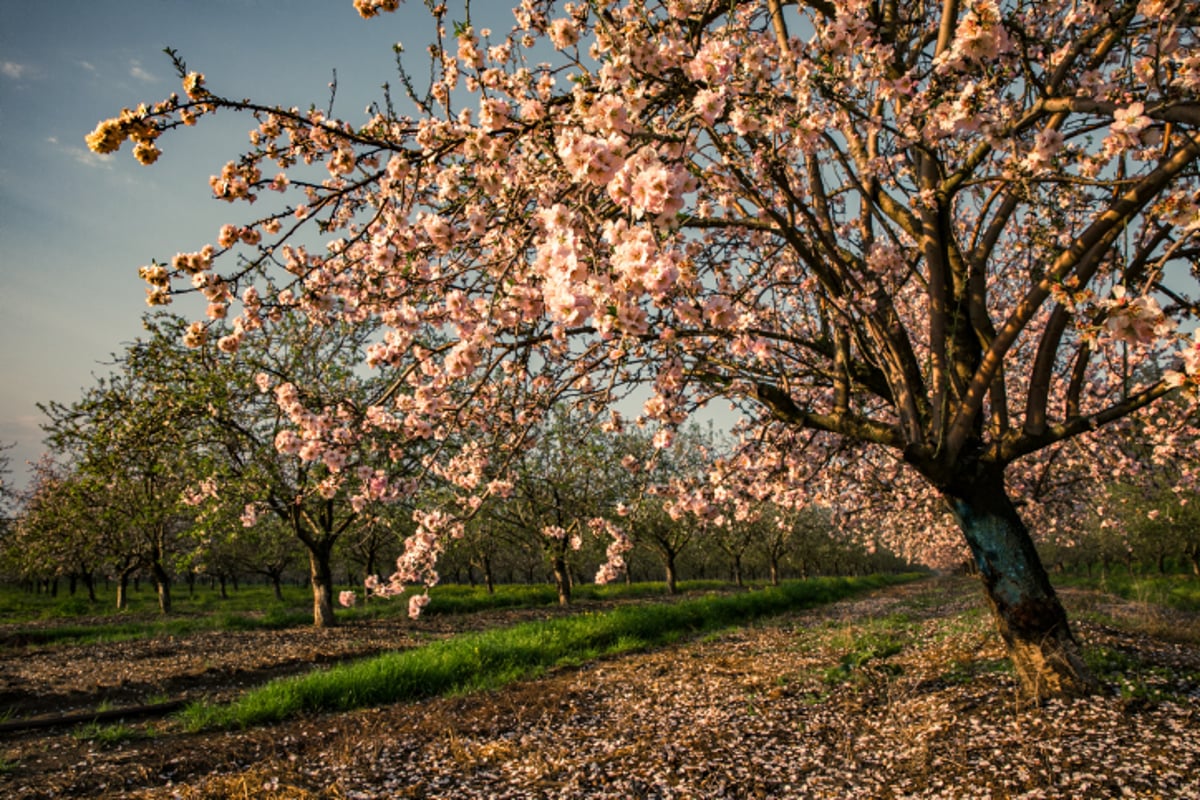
{"type": "Point", "coordinates": [489, 659]}
{"type": "Point", "coordinates": [1175, 591]}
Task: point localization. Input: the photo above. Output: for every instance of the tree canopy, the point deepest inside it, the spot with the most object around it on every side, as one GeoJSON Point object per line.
{"type": "Point", "coordinates": [923, 233]}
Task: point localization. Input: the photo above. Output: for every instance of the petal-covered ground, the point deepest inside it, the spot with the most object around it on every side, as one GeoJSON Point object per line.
{"type": "Point", "coordinates": [902, 693]}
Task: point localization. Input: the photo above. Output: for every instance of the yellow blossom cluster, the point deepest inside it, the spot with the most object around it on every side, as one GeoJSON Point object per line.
{"type": "Point", "coordinates": [111, 133]}
{"type": "Point", "coordinates": [370, 8]}
{"type": "Point", "coordinates": [140, 127]}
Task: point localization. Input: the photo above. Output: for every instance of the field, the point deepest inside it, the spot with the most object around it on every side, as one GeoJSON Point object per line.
{"type": "Point", "coordinates": [899, 691]}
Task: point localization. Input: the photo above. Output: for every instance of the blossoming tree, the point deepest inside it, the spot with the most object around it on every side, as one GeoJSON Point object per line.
{"type": "Point", "coordinates": [919, 227]}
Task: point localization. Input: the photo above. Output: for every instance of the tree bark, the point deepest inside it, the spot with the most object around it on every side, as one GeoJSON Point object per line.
{"type": "Point", "coordinates": [489, 578]}
{"type": "Point", "coordinates": [669, 567]}
{"type": "Point", "coordinates": [562, 580]}
{"type": "Point", "coordinates": [322, 587]}
{"type": "Point", "coordinates": [162, 584]}
{"type": "Point", "coordinates": [1028, 614]}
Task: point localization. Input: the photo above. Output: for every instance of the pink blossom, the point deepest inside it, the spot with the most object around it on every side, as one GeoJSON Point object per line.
{"type": "Point", "coordinates": [563, 33]}
{"type": "Point", "coordinates": [416, 604]}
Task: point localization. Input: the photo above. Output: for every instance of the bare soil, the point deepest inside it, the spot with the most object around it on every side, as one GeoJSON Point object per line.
{"type": "Point", "coordinates": [900, 693]}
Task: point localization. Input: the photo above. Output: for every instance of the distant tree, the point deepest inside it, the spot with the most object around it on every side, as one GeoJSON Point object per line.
{"type": "Point", "coordinates": [267, 448]}
{"type": "Point", "coordinates": [132, 462]}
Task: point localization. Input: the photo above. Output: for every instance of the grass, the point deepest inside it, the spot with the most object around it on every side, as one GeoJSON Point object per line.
{"type": "Point", "coordinates": [111, 735]}
{"type": "Point", "coordinates": [1181, 591]}
{"type": "Point", "coordinates": [869, 644]}
{"type": "Point", "coordinates": [17, 606]}
{"type": "Point", "coordinates": [492, 658]}
{"type": "Point", "coordinates": [255, 608]}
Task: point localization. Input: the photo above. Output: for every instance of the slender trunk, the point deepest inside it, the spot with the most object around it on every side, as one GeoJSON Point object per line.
{"type": "Point", "coordinates": [162, 584]}
{"type": "Point", "coordinates": [89, 580]}
{"type": "Point", "coordinates": [1030, 618]}
{"type": "Point", "coordinates": [322, 586]}
{"type": "Point", "coordinates": [737, 572]}
{"type": "Point", "coordinates": [1162, 562]}
{"type": "Point", "coordinates": [277, 586]}
{"type": "Point", "coordinates": [489, 577]}
{"type": "Point", "coordinates": [774, 570]}
{"type": "Point", "coordinates": [562, 580]}
{"type": "Point", "coordinates": [1193, 554]}
{"type": "Point", "coordinates": [221, 580]}
{"type": "Point", "coordinates": [672, 578]}
{"type": "Point", "coordinates": [122, 591]}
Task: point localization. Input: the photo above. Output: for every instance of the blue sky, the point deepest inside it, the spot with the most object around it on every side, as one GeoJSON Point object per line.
{"type": "Point", "coordinates": [74, 227]}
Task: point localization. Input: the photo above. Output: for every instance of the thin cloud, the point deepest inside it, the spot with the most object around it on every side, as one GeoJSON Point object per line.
{"type": "Point", "coordinates": [81, 155]}
{"type": "Point", "coordinates": [135, 69]}
{"type": "Point", "coordinates": [88, 66]}
{"type": "Point", "coordinates": [11, 69]}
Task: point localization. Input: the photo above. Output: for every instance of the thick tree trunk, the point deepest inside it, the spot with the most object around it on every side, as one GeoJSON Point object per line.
{"type": "Point", "coordinates": [1030, 618]}
{"type": "Point", "coordinates": [322, 588]}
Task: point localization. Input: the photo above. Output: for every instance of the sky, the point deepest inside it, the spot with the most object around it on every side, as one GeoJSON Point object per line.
{"type": "Point", "coordinates": [74, 226]}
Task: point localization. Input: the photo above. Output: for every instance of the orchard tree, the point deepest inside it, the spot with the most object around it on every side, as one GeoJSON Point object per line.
{"type": "Point", "coordinates": [8, 494]}
{"type": "Point", "coordinates": [564, 482]}
{"type": "Point", "coordinates": [923, 228]}
{"type": "Point", "coordinates": [653, 505]}
{"type": "Point", "coordinates": [274, 434]}
{"type": "Point", "coordinates": [132, 461]}
{"type": "Point", "coordinates": [53, 535]}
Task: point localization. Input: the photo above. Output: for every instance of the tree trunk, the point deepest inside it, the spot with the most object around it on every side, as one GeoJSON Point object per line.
{"type": "Point", "coordinates": [162, 584]}
{"type": "Point", "coordinates": [672, 578]}
{"type": "Point", "coordinates": [774, 570]}
{"type": "Point", "coordinates": [562, 581]}
{"type": "Point", "coordinates": [122, 592]}
{"type": "Point", "coordinates": [1030, 618]}
{"type": "Point", "coordinates": [221, 581]}
{"type": "Point", "coordinates": [277, 586]}
{"type": "Point", "coordinates": [322, 587]}
{"type": "Point", "coordinates": [489, 577]}
{"type": "Point", "coordinates": [737, 572]}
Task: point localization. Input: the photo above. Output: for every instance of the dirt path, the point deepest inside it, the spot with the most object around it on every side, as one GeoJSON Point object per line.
{"type": "Point", "coordinates": [902, 693]}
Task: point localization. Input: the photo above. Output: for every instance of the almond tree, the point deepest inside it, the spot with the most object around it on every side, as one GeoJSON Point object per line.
{"type": "Point", "coordinates": [920, 227]}
{"type": "Point", "coordinates": [273, 433]}
{"type": "Point", "coordinates": [130, 466]}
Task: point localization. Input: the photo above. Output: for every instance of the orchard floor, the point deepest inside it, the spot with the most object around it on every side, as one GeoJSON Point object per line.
{"type": "Point", "coordinates": [900, 693]}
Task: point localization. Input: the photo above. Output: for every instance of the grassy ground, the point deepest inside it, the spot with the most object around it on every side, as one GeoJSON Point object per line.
{"type": "Point", "coordinates": [1179, 591]}
{"type": "Point", "coordinates": [41, 619]}
{"type": "Point", "coordinates": [903, 692]}
{"type": "Point", "coordinates": [493, 658]}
